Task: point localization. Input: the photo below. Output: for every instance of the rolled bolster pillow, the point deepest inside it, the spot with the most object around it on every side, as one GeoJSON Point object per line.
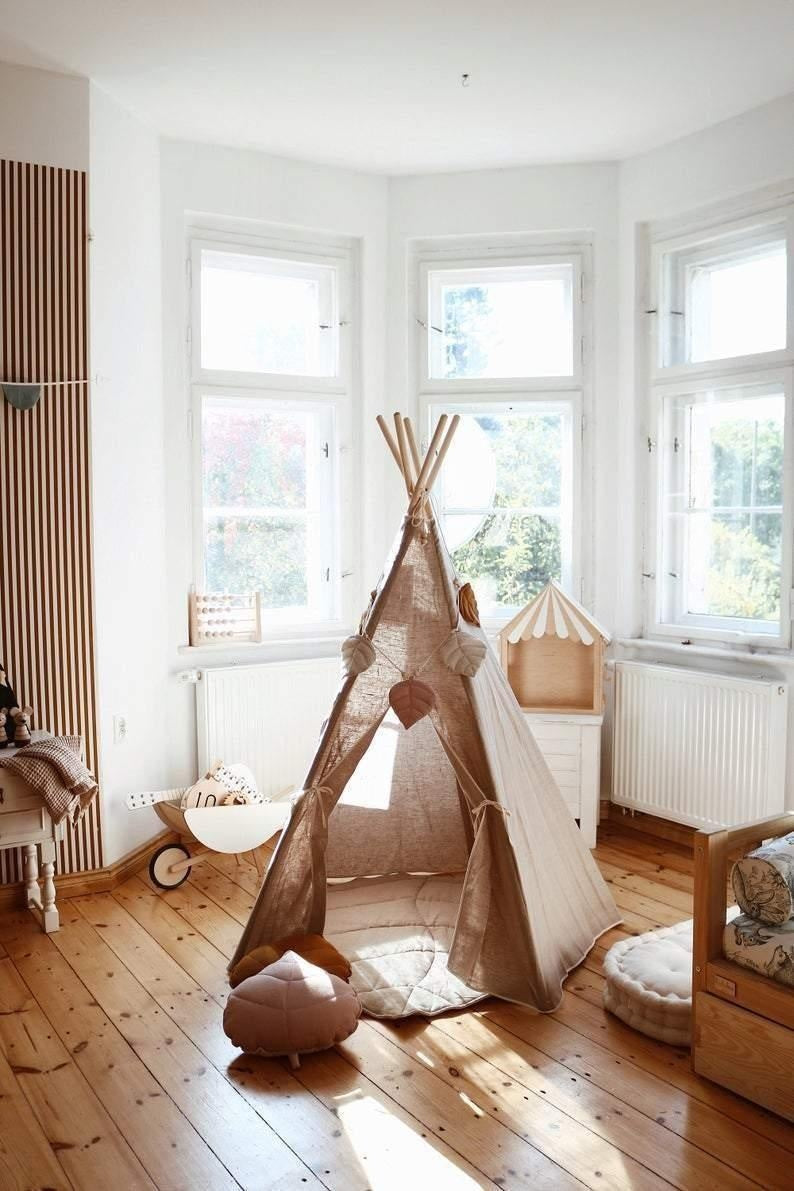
{"type": "Point", "coordinates": [763, 882]}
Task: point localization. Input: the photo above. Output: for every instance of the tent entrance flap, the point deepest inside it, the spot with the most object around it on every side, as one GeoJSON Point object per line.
{"type": "Point", "coordinates": [401, 810]}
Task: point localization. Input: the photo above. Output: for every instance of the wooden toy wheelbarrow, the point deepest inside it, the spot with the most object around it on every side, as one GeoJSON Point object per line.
{"type": "Point", "coordinates": [209, 829]}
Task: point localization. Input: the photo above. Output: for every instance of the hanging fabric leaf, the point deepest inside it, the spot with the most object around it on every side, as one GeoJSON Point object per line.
{"type": "Point", "coordinates": [467, 604]}
{"type": "Point", "coordinates": [411, 701]}
{"type": "Point", "coordinates": [358, 655]}
{"type": "Point", "coordinates": [463, 653]}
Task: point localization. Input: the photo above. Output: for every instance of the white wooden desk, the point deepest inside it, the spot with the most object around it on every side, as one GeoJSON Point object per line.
{"type": "Point", "coordinates": [25, 823]}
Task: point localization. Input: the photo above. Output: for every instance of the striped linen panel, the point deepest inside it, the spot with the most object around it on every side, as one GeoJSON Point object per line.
{"type": "Point", "coordinates": [46, 584]}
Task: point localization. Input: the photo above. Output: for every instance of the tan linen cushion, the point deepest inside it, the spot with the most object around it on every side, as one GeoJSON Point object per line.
{"type": "Point", "coordinates": [290, 1008]}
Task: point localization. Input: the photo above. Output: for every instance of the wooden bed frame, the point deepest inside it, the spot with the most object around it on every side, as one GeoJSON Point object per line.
{"type": "Point", "coordinates": [742, 1023]}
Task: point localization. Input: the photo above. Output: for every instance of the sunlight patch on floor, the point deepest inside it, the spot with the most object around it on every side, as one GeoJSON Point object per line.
{"type": "Point", "coordinates": [393, 1155]}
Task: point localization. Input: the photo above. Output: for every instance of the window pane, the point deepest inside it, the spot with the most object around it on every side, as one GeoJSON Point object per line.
{"type": "Point", "coordinates": [727, 301]}
{"type": "Point", "coordinates": [724, 502]}
{"type": "Point", "coordinates": [253, 455]}
{"type": "Point", "coordinates": [268, 504]}
{"type": "Point", "coordinates": [506, 502]}
{"type": "Point", "coordinates": [265, 315]}
{"type": "Point", "coordinates": [265, 554]}
{"type": "Point", "coordinates": [507, 322]}
{"type": "Point", "coordinates": [508, 557]}
{"type": "Point", "coordinates": [733, 565]}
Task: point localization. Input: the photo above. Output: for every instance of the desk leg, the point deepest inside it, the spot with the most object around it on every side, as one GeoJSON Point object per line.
{"type": "Point", "coordinates": [32, 895]}
{"type": "Point", "coordinates": [50, 920]}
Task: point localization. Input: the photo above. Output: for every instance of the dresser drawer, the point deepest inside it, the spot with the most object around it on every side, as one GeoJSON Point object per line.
{"type": "Point", "coordinates": [20, 827]}
{"type": "Point", "coordinates": [16, 795]}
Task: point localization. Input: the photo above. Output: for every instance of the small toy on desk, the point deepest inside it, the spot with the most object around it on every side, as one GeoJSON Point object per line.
{"type": "Point", "coordinates": [21, 717]}
{"type": "Point", "coordinates": [7, 700]}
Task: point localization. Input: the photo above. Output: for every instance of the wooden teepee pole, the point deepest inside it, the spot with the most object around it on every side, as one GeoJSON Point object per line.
{"type": "Point", "coordinates": [390, 443]}
{"type": "Point", "coordinates": [421, 482]}
{"type": "Point", "coordinates": [403, 448]}
{"type": "Point", "coordinates": [447, 443]}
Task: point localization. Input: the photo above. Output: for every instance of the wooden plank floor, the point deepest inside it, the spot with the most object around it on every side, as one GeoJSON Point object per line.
{"type": "Point", "coordinates": [115, 1071]}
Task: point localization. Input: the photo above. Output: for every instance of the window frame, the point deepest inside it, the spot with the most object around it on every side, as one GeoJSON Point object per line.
{"type": "Point", "coordinates": [501, 257]}
{"type": "Point", "coordinates": [737, 229]}
{"type": "Point", "coordinates": [703, 625]}
{"type": "Point", "coordinates": [272, 249]}
{"type": "Point", "coordinates": [540, 248]}
{"type": "Point", "coordinates": [335, 394]}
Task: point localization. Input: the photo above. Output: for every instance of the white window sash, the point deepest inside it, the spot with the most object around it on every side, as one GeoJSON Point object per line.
{"type": "Point", "coordinates": [336, 310]}
{"type": "Point", "coordinates": [326, 607]}
{"type": "Point", "coordinates": [664, 471]}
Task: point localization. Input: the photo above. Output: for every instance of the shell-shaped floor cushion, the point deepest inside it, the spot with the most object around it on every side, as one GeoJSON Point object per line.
{"type": "Point", "coordinates": [290, 1008]}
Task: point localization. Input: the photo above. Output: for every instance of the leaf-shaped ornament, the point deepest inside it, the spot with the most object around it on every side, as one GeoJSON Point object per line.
{"type": "Point", "coordinates": [358, 655]}
{"type": "Point", "coordinates": [411, 700]}
{"type": "Point", "coordinates": [463, 653]}
{"type": "Point", "coordinates": [467, 603]}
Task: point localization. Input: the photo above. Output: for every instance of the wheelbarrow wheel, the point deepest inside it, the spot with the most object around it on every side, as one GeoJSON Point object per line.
{"type": "Point", "coordinates": [160, 866]}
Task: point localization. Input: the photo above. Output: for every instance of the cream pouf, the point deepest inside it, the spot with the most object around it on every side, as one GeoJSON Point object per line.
{"type": "Point", "coordinates": [649, 983]}
{"type": "Point", "coordinates": [290, 1008]}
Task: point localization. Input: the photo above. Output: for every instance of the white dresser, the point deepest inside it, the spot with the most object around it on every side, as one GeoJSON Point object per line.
{"type": "Point", "coordinates": [25, 824]}
{"type": "Point", "coordinates": [571, 747]}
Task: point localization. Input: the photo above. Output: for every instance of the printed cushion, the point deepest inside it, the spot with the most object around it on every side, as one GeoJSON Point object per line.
{"type": "Point", "coordinates": [768, 950]}
{"type": "Point", "coordinates": [290, 1008]}
{"type": "Point", "coordinates": [763, 882]}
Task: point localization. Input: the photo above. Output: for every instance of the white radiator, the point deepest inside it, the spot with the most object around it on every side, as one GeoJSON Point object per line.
{"type": "Point", "coordinates": [698, 748]}
{"type": "Point", "coordinates": [268, 716]}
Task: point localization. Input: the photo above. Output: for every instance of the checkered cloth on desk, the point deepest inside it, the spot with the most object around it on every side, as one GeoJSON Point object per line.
{"type": "Point", "coordinates": [53, 767]}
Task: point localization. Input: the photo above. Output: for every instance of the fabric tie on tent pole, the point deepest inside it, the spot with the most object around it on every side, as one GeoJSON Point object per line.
{"type": "Point", "coordinates": [478, 813]}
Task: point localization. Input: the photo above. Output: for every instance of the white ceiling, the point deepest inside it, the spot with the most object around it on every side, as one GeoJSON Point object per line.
{"type": "Point", "coordinates": [376, 86]}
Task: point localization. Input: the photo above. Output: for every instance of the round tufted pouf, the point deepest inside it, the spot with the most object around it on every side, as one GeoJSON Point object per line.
{"type": "Point", "coordinates": [649, 983]}
{"type": "Point", "coordinates": [290, 1008]}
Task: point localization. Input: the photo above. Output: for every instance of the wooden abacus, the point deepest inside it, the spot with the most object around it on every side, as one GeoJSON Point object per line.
{"type": "Point", "coordinates": [217, 619]}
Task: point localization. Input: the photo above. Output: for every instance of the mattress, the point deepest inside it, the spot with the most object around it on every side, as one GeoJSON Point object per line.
{"type": "Point", "coordinates": [768, 950]}
{"type": "Point", "coordinates": [396, 932]}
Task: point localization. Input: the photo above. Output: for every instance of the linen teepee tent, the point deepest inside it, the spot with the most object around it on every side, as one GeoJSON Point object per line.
{"type": "Point", "coordinates": [430, 842]}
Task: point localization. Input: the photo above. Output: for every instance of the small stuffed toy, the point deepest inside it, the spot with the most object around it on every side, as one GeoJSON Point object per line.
{"type": "Point", "coordinates": [3, 736]}
{"type": "Point", "coordinates": [7, 700]}
{"type": "Point", "coordinates": [21, 717]}
{"type": "Point", "coordinates": [222, 785]}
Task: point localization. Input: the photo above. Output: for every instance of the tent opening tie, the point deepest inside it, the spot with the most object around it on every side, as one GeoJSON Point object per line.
{"type": "Point", "coordinates": [318, 792]}
{"type": "Point", "coordinates": [481, 807]}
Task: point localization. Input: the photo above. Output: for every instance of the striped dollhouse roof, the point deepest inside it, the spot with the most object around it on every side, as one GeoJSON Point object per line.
{"type": "Point", "coordinates": [552, 613]}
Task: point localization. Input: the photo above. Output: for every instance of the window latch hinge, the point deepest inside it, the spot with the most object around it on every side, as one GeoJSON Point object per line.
{"type": "Point", "coordinates": [326, 450]}
{"type": "Point", "coordinates": [649, 574]}
{"type": "Point", "coordinates": [651, 444]}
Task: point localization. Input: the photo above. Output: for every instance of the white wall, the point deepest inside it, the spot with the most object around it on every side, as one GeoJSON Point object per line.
{"type": "Point", "coordinates": [128, 466]}
{"type": "Point", "coordinates": [43, 117]}
{"type": "Point", "coordinates": [214, 181]}
{"type": "Point", "coordinates": [575, 198]}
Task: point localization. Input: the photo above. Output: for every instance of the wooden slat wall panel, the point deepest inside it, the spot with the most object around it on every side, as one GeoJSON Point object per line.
{"type": "Point", "coordinates": [46, 584]}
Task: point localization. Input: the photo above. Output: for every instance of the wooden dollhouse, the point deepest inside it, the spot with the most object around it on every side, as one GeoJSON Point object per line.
{"type": "Point", "coordinates": [553, 655]}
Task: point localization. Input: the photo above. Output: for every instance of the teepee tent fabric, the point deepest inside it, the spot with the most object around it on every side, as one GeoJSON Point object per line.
{"type": "Point", "coordinates": [465, 789]}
